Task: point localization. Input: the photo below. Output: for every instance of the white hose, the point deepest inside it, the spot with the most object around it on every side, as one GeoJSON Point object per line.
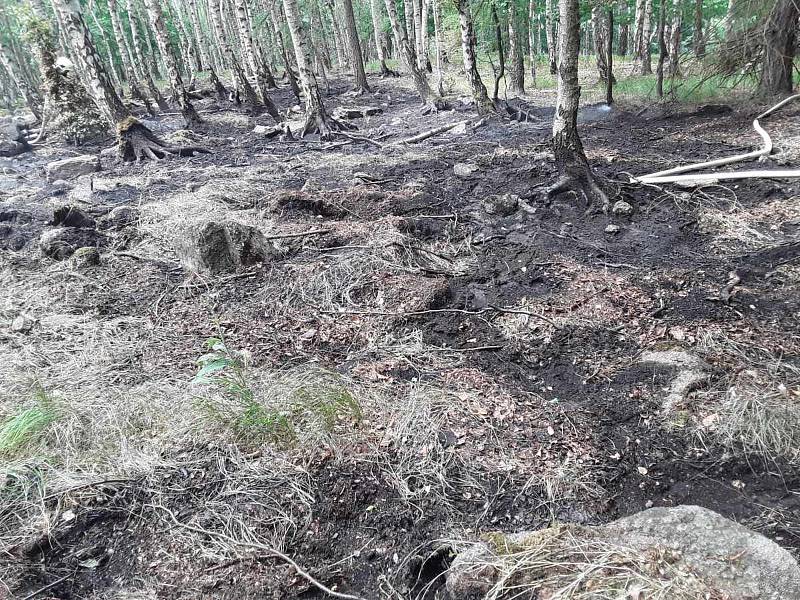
{"type": "Point", "coordinates": [672, 175]}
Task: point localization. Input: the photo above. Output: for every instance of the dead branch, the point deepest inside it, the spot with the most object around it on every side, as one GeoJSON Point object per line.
{"type": "Point", "coordinates": [415, 139]}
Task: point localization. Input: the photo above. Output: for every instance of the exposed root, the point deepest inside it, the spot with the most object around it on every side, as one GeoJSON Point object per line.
{"type": "Point", "coordinates": [434, 105]}
{"type": "Point", "coordinates": [137, 142]}
{"type": "Point", "coordinates": [325, 125]}
{"type": "Point", "coordinates": [577, 177]}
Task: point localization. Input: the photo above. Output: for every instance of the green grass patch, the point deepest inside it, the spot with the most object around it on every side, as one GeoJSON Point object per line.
{"type": "Point", "coordinates": [27, 425]}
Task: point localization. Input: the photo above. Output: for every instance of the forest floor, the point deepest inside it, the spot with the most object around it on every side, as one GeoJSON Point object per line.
{"type": "Point", "coordinates": [454, 365]}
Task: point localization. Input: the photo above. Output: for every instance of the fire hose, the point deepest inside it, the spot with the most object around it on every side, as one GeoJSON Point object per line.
{"type": "Point", "coordinates": [674, 175]}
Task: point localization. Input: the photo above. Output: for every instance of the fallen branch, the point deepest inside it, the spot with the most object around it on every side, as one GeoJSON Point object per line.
{"type": "Point", "coordinates": [47, 587]}
{"type": "Point", "coordinates": [415, 139]}
{"type": "Point", "coordinates": [263, 547]}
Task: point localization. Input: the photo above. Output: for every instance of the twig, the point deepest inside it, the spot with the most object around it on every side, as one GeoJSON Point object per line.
{"type": "Point", "coordinates": [277, 554]}
{"type": "Point", "coordinates": [285, 236]}
{"type": "Point", "coordinates": [357, 138]}
{"type": "Point", "coordinates": [47, 587]}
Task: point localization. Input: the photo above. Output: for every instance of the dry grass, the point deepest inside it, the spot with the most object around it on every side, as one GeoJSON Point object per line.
{"type": "Point", "coordinates": [565, 562]}
{"type": "Point", "coordinates": [757, 411]}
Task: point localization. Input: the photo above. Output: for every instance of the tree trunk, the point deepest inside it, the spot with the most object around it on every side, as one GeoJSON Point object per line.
{"type": "Point", "coordinates": [550, 34]}
{"type": "Point", "coordinates": [242, 84]}
{"type": "Point", "coordinates": [642, 61]}
{"type": "Point", "coordinates": [500, 72]}
{"type": "Point", "coordinates": [600, 42]}
{"type": "Point", "coordinates": [698, 41]}
{"type": "Point", "coordinates": [533, 46]}
{"type": "Point", "coordinates": [126, 56]}
{"type": "Point", "coordinates": [204, 56]}
{"type": "Point", "coordinates": [317, 119]}
{"type": "Point", "coordinates": [411, 30]}
{"type": "Point", "coordinates": [610, 55]}
{"type": "Point", "coordinates": [377, 13]}
{"type": "Point", "coordinates": [567, 147]}
{"type": "Point", "coordinates": [144, 73]}
{"type": "Point", "coordinates": [730, 20]}
{"type": "Point", "coordinates": [409, 58]}
{"type": "Point", "coordinates": [437, 34]}
{"type": "Point", "coordinates": [252, 60]}
{"type": "Point", "coordinates": [517, 79]}
{"type": "Point", "coordinates": [165, 47]}
{"type": "Point", "coordinates": [354, 45]}
{"type": "Point", "coordinates": [663, 52]}
{"type": "Point", "coordinates": [780, 32]}
{"type": "Point", "coordinates": [675, 39]}
{"type": "Point", "coordinates": [423, 32]}
{"type": "Point", "coordinates": [29, 93]}
{"type": "Point", "coordinates": [624, 28]}
{"type": "Point", "coordinates": [479, 94]}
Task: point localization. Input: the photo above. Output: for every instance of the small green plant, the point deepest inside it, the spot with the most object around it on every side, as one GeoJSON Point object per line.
{"type": "Point", "coordinates": [27, 425]}
{"type": "Point", "coordinates": [307, 398]}
{"type": "Point", "coordinates": [250, 421]}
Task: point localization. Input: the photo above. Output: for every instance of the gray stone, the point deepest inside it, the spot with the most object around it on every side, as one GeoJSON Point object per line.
{"type": "Point", "coordinates": [223, 247]}
{"type": "Point", "coordinates": [119, 218]}
{"type": "Point", "coordinates": [465, 169]}
{"type": "Point", "coordinates": [22, 324]}
{"type": "Point", "coordinates": [612, 229]}
{"type": "Point", "coordinates": [691, 371]}
{"type": "Point", "coordinates": [503, 205]}
{"type": "Point", "coordinates": [72, 168]}
{"type": "Point", "coordinates": [622, 209]}
{"type": "Point", "coordinates": [728, 558]}
{"type": "Point", "coordinates": [85, 257]}
{"type": "Point", "coordinates": [61, 243]}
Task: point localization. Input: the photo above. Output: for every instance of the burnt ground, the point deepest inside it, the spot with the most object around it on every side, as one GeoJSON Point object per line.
{"type": "Point", "coordinates": [496, 358]}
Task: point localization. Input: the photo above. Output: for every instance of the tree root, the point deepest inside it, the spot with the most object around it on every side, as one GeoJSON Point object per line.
{"type": "Point", "coordinates": [137, 142]}
{"type": "Point", "coordinates": [325, 125]}
{"type": "Point", "coordinates": [577, 177]}
{"type": "Point", "coordinates": [434, 105]}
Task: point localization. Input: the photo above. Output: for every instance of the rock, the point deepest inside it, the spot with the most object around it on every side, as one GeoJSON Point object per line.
{"type": "Point", "coordinates": [61, 243]}
{"type": "Point", "coordinates": [85, 257]}
{"type": "Point", "coordinates": [465, 169]}
{"type": "Point", "coordinates": [111, 151]}
{"type": "Point", "coordinates": [12, 137]}
{"type": "Point", "coordinates": [612, 229]}
{"type": "Point", "coordinates": [72, 216]}
{"type": "Point", "coordinates": [72, 168]}
{"type": "Point", "coordinates": [622, 209]}
{"type": "Point", "coordinates": [223, 247]}
{"type": "Point", "coordinates": [22, 324]}
{"type": "Point", "coordinates": [504, 205]}
{"type": "Point", "coordinates": [120, 217]}
{"type": "Point", "coordinates": [691, 372]}
{"type": "Point", "coordinates": [696, 549]}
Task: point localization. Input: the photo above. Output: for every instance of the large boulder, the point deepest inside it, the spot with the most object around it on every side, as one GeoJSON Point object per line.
{"type": "Point", "coordinates": [72, 168]}
{"type": "Point", "coordinates": [223, 247]}
{"type": "Point", "coordinates": [685, 551]}
{"type": "Point", "coordinates": [62, 242]}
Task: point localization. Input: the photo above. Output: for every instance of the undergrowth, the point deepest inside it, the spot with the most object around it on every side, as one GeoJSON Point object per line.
{"type": "Point", "coordinates": [281, 409]}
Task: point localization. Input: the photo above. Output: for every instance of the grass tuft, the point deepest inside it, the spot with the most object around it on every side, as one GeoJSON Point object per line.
{"type": "Point", "coordinates": [23, 428]}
